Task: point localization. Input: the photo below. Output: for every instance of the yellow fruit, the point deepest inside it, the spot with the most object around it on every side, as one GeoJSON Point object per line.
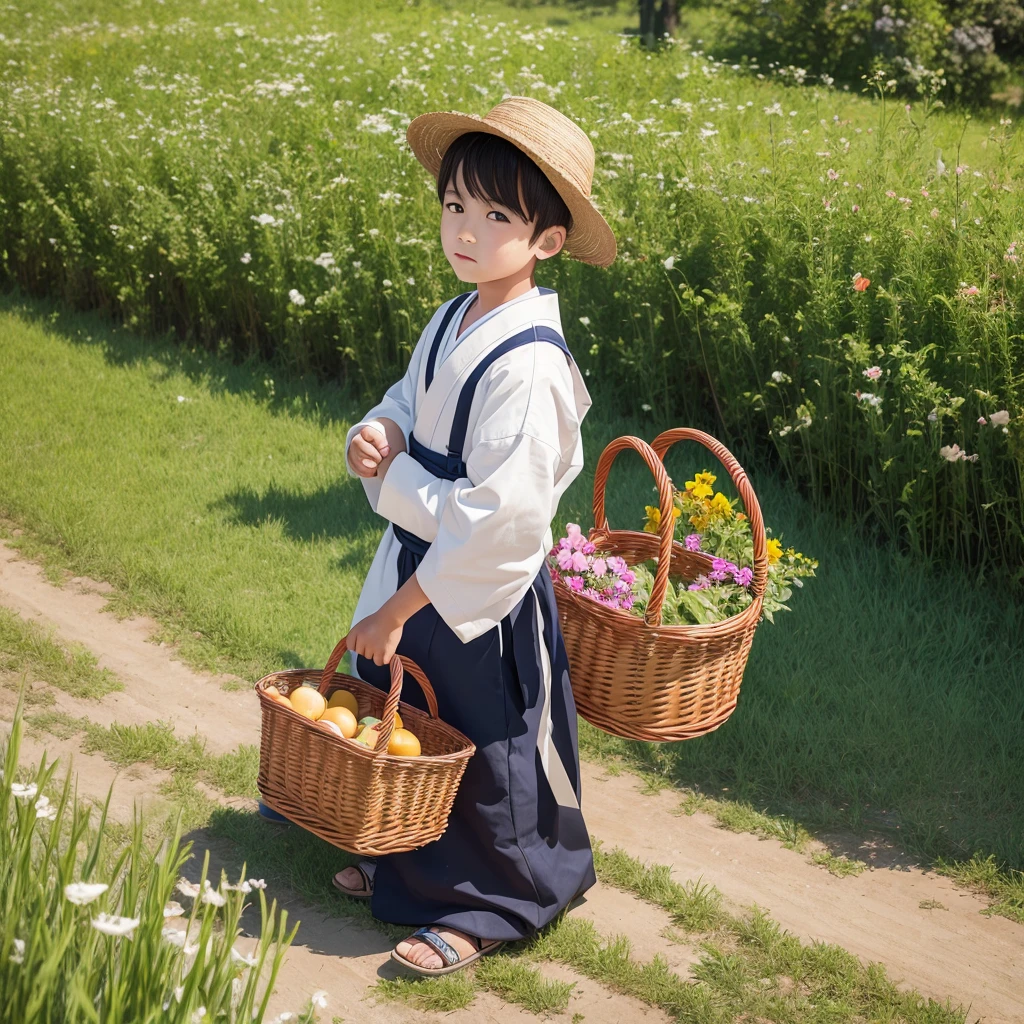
{"type": "Point", "coordinates": [276, 695]}
{"type": "Point", "coordinates": [281, 699]}
{"type": "Point", "coordinates": [344, 699]}
{"type": "Point", "coordinates": [404, 744]}
{"type": "Point", "coordinates": [308, 702]}
{"type": "Point", "coordinates": [342, 718]}
{"type": "Point", "coordinates": [399, 724]}
{"type": "Point", "coordinates": [329, 726]}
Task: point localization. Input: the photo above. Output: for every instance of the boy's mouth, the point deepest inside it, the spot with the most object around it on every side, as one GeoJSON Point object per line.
{"type": "Point", "coordinates": [461, 257]}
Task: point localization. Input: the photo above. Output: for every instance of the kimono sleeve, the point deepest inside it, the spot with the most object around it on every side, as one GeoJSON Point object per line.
{"type": "Point", "coordinates": [398, 404]}
{"type": "Point", "coordinates": [493, 530]}
{"type": "Point", "coordinates": [490, 539]}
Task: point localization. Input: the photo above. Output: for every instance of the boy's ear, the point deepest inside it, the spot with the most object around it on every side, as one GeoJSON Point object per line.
{"type": "Point", "coordinates": [553, 241]}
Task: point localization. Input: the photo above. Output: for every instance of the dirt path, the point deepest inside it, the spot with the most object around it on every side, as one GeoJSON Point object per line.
{"type": "Point", "coordinates": [956, 953]}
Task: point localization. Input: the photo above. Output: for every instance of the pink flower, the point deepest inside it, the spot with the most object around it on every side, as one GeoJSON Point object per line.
{"type": "Point", "coordinates": [872, 372]}
{"type": "Point", "coordinates": [744, 576]}
{"type": "Point", "coordinates": [693, 542]}
{"type": "Point", "coordinates": [577, 540]}
{"type": "Point", "coordinates": [564, 543]}
{"type": "Point", "coordinates": [701, 583]}
{"type": "Point", "coordinates": [574, 583]}
{"type": "Point", "coordinates": [588, 548]}
{"type": "Point", "coordinates": [616, 564]}
{"type": "Point", "coordinates": [579, 561]}
{"type": "Point", "coordinates": [591, 593]}
{"type": "Point", "coordinates": [572, 529]}
{"type": "Point", "coordinates": [628, 577]}
{"type": "Point", "coordinates": [627, 602]}
{"type": "Point", "coordinates": [600, 567]}
{"type": "Point", "coordinates": [855, 208]}
{"type": "Point", "coordinates": [718, 575]}
{"type": "Point", "coordinates": [564, 559]}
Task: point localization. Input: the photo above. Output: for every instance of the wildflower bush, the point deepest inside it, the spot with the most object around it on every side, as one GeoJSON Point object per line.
{"type": "Point", "coordinates": [89, 934]}
{"type": "Point", "coordinates": [241, 177]}
{"type": "Point", "coordinates": [706, 521]}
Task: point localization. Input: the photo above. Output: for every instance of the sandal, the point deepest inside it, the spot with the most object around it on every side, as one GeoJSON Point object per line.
{"type": "Point", "coordinates": [449, 955]}
{"type": "Point", "coordinates": [366, 877]}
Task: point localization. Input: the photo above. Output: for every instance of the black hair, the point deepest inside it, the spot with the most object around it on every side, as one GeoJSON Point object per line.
{"type": "Point", "coordinates": [494, 170]}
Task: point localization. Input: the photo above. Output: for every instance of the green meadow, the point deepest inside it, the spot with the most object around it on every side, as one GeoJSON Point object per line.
{"type": "Point", "coordinates": [235, 171]}
{"type": "Point", "coordinates": [213, 495]}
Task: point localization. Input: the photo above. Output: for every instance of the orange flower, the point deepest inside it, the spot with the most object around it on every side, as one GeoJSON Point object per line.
{"type": "Point", "coordinates": [860, 284]}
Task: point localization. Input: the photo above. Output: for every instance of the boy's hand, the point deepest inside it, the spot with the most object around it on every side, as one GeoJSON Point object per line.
{"type": "Point", "coordinates": [366, 451]}
{"type": "Point", "coordinates": [376, 637]}
{"type": "Point", "coordinates": [370, 452]}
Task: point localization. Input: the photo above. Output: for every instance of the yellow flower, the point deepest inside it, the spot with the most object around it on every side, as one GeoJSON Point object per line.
{"type": "Point", "coordinates": [721, 505]}
{"type": "Point", "coordinates": [774, 550]}
{"type": "Point", "coordinates": [699, 488]}
{"type": "Point", "coordinates": [654, 518]}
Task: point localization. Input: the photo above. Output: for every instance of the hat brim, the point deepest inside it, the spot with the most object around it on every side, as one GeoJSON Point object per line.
{"type": "Point", "coordinates": [591, 239]}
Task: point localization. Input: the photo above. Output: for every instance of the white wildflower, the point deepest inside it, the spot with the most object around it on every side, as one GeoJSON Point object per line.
{"type": "Point", "coordinates": [933, 415]}
{"type": "Point", "coordinates": [585, 320]}
{"type": "Point", "coordinates": [325, 259]}
{"type": "Point", "coordinates": [257, 883]}
{"type": "Point", "coordinates": [645, 407]}
{"type": "Point", "coordinates": [186, 888]}
{"type": "Point", "coordinates": [248, 959]}
{"type": "Point", "coordinates": [999, 419]}
{"type": "Point", "coordinates": [173, 909]}
{"type": "Point", "coordinates": [319, 999]}
{"type": "Point", "coordinates": [24, 791]}
{"type": "Point", "coordinates": [781, 378]}
{"type": "Point", "coordinates": [199, 1016]}
{"type": "Point", "coordinates": [246, 257]}
{"type": "Point", "coordinates": [83, 893]}
{"type": "Point", "coordinates": [296, 297]}
{"type": "Point", "coordinates": [385, 283]}
{"type": "Point", "coordinates": [44, 809]}
{"type": "Point", "coordinates": [111, 924]}
{"type": "Point", "coordinates": [213, 897]}
{"type": "Point", "coordinates": [669, 263]}
{"type": "Point", "coordinates": [18, 956]}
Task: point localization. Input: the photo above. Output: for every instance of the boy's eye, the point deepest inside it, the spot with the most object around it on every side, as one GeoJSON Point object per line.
{"type": "Point", "coordinates": [500, 214]}
{"type": "Point", "coordinates": [459, 209]}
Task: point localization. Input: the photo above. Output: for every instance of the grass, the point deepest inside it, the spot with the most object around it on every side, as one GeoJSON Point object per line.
{"type": "Point", "coordinates": [180, 174]}
{"type": "Point", "coordinates": [230, 516]}
{"type": "Point", "coordinates": [27, 647]}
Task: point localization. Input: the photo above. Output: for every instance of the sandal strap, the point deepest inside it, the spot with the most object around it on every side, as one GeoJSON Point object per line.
{"type": "Point", "coordinates": [447, 953]}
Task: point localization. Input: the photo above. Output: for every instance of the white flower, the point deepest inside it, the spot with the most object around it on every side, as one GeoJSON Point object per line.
{"type": "Point", "coordinates": [186, 888]}
{"type": "Point", "coordinates": [44, 809]}
{"type": "Point", "coordinates": [257, 883]}
{"type": "Point", "coordinates": [669, 263]}
{"type": "Point", "coordinates": [645, 407]}
{"type": "Point", "coordinates": [18, 956]}
{"type": "Point", "coordinates": [111, 924]}
{"type": "Point", "coordinates": [933, 415]}
{"type": "Point", "coordinates": [283, 1018]}
{"type": "Point", "coordinates": [585, 320]}
{"type": "Point", "coordinates": [319, 999]}
{"type": "Point", "coordinates": [199, 1015]}
{"type": "Point", "coordinates": [173, 909]}
{"type": "Point", "coordinates": [83, 893]}
{"type": "Point", "coordinates": [249, 960]}
{"type": "Point", "coordinates": [266, 219]}
{"type": "Point", "coordinates": [410, 280]}
{"type": "Point", "coordinates": [246, 257]}
{"type": "Point", "coordinates": [386, 283]}
{"type": "Point", "coordinates": [214, 897]}
{"type": "Point", "coordinates": [999, 419]}
{"type": "Point", "coordinates": [781, 378]}
{"type": "Point", "coordinates": [775, 109]}
{"type": "Point", "coordinates": [325, 259]}
{"type": "Point", "coordinates": [22, 791]}
{"type": "Point", "coordinates": [241, 887]}
{"type": "Point", "coordinates": [297, 297]}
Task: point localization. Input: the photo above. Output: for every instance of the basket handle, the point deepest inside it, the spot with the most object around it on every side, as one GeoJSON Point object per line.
{"type": "Point", "coordinates": [665, 440]}
{"type": "Point", "coordinates": [666, 528]}
{"type": "Point", "coordinates": [399, 665]}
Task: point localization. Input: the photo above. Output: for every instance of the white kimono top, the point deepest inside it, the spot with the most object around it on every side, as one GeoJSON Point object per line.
{"type": "Point", "coordinates": [489, 531]}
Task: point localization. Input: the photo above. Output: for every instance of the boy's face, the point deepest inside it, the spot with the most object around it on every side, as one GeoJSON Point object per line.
{"type": "Point", "coordinates": [495, 239]}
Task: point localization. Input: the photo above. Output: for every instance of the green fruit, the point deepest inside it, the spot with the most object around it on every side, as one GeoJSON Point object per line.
{"type": "Point", "coordinates": [369, 720]}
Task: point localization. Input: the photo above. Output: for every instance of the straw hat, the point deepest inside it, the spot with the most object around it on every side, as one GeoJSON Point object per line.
{"type": "Point", "coordinates": [557, 145]}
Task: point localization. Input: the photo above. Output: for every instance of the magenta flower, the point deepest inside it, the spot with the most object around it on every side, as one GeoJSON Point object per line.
{"type": "Point", "coordinates": [701, 583]}
{"type": "Point", "coordinates": [627, 602]}
{"type": "Point", "coordinates": [718, 575]}
{"type": "Point", "coordinates": [744, 576]}
{"type": "Point", "coordinates": [616, 564]}
{"type": "Point", "coordinates": [588, 548]}
{"type": "Point", "coordinates": [564, 543]}
{"type": "Point", "coordinates": [591, 593]}
{"type": "Point", "coordinates": [600, 567]}
{"type": "Point", "coordinates": [628, 577]}
{"type": "Point", "coordinates": [693, 542]}
{"type": "Point", "coordinates": [574, 583]}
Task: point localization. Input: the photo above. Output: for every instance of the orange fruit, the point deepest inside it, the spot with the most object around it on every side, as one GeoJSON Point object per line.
{"type": "Point", "coordinates": [307, 701]}
{"type": "Point", "coordinates": [281, 699]}
{"type": "Point", "coordinates": [404, 744]}
{"type": "Point", "coordinates": [342, 718]}
{"type": "Point", "coordinates": [344, 699]}
{"type": "Point", "coordinates": [329, 726]}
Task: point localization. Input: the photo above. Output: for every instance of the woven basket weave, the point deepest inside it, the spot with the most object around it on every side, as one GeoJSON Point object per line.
{"type": "Point", "coordinates": [635, 677]}
{"type": "Point", "coordinates": [365, 801]}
